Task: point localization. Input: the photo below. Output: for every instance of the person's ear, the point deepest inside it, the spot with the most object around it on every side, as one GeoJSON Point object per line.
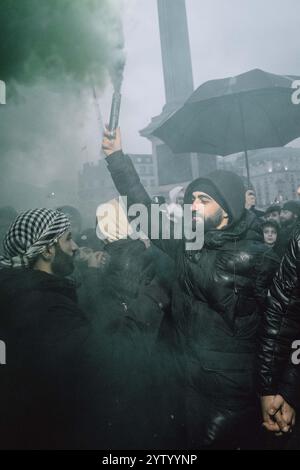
{"type": "Point", "coordinates": [48, 254]}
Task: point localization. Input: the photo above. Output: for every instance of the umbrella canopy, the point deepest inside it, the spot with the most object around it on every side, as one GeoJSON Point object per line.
{"type": "Point", "coordinates": [250, 111]}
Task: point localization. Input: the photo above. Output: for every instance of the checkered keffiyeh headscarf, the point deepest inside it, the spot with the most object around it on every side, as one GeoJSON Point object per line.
{"type": "Point", "coordinates": [29, 235]}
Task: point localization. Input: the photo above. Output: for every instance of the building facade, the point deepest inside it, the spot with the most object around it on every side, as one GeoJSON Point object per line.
{"type": "Point", "coordinates": [145, 167]}
{"type": "Point", "coordinates": [274, 173]}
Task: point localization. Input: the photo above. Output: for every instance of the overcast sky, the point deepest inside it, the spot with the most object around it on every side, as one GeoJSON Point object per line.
{"type": "Point", "coordinates": [227, 37]}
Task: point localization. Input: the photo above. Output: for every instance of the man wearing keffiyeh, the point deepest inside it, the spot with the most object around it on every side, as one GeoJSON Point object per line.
{"type": "Point", "coordinates": [48, 384]}
{"type": "Point", "coordinates": [40, 239]}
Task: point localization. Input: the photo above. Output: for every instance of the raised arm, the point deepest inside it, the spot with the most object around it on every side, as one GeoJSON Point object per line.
{"type": "Point", "coordinates": [128, 184]}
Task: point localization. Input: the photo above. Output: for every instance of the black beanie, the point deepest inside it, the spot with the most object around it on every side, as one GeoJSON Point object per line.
{"type": "Point", "coordinates": [292, 206]}
{"type": "Point", "coordinates": [273, 208]}
{"type": "Point", "coordinates": [225, 187]}
{"type": "Point", "coordinates": [206, 186]}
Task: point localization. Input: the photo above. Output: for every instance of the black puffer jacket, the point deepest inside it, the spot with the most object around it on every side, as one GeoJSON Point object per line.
{"type": "Point", "coordinates": [281, 327]}
{"type": "Point", "coordinates": [216, 298]}
{"type": "Point", "coordinates": [223, 275]}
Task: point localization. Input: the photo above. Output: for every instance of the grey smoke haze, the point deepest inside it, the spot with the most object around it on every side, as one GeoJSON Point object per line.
{"type": "Point", "coordinates": [53, 127]}
{"type": "Point", "coordinates": [53, 54]}
{"type": "Point", "coordinates": [59, 38]}
{"type": "Point", "coordinates": [38, 133]}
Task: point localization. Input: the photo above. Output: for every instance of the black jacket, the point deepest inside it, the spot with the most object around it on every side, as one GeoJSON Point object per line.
{"type": "Point", "coordinates": [211, 328]}
{"type": "Point", "coordinates": [281, 327]}
{"type": "Point", "coordinates": [48, 384]}
{"type": "Point", "coordinates": [130, 280]}
{"type": "Point", "coordinates": [215, 311]}
{"type": "Point", "coordinates": [284, 238]}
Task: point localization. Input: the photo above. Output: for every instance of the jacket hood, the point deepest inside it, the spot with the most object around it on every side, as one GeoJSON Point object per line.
{"type": "Point", "coordinates": [247, 228]}
{"type": "Point", "coordinates": [228, 185]}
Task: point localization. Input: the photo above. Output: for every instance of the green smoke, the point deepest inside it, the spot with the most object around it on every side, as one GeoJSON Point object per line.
{"type": "Point", "coordinates": [52, 39]}
{"type": "Point", "coordinates": [52, 54]}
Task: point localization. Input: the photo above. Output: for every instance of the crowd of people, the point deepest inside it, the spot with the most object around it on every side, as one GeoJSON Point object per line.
{"type": "Point", "coordinates": [144, 344]}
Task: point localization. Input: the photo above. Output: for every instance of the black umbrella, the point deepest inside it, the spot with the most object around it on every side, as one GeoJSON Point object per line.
{"type": "Point", "coordinates": [250, 111]}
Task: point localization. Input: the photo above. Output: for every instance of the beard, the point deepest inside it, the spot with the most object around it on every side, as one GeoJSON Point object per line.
{"type": "Point", "coordinates": [286, 222]}
{"type": "Point", "coordinates": [63, 264]}
{"type": "Point", "coordinates": [211, 222]}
